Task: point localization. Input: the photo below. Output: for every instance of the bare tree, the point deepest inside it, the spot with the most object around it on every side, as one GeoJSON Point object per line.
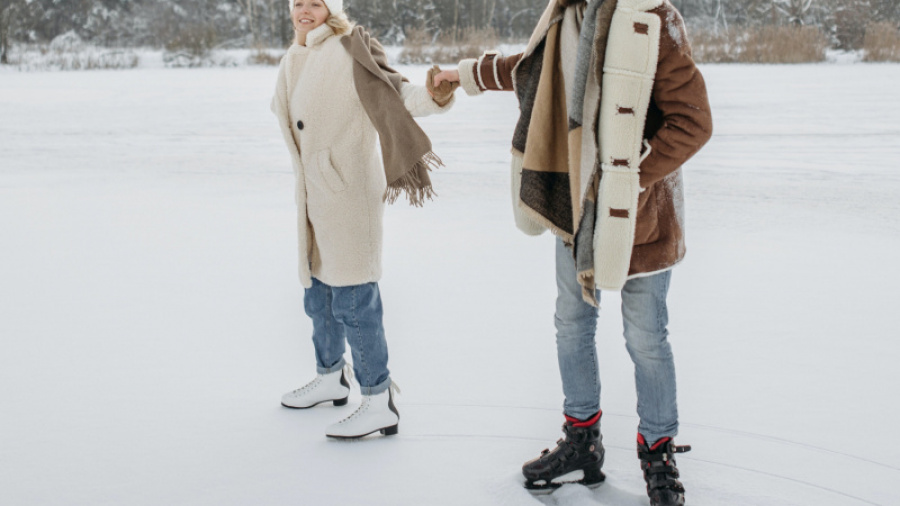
{"type": "Point", "coordinates": [7, 8]}
{"type": "Point", "coordinates": [795, 10]}
{"type": "Point", "coordinates": [488, 18]}
{"type": "Point", "coordinates": [250, 9]}
{"type": "Point", "coordinates": [455, 21]}
{"type": "Point", "coordinates": [720, 15]}
{"type": "Point", "coordinates": [4, 35]}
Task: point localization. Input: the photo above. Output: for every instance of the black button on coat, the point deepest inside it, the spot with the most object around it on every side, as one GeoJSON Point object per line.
{"type": "Point", "coordinates": [299, 125]}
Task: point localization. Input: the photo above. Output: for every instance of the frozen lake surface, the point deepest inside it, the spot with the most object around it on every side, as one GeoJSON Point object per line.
{"type": "Point", "coordinates": [152, 317]}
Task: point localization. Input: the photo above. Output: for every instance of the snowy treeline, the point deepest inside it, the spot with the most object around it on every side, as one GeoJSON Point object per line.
{"type": "Point", "coordinates": [199, 25]}
{"type": "Point", "coordinates": [193, 24]}
{"type": "Point", "coordinates": [844, 22]}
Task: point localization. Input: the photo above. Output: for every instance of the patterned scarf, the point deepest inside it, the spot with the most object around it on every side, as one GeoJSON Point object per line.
{"type": "Point", "coordinates": [583, 246]}
{"type": "Point", "coordinates": [559, 189]}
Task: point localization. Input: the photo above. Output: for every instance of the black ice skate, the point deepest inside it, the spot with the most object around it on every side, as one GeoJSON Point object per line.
{"type": "Point", "coordinates": [660, 473]}
{"type": "Point", "coordinates": [581, 450]}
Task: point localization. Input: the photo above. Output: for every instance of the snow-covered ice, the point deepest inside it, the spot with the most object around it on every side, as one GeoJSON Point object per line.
{"type": "Point", "coordinates": [151, 316]}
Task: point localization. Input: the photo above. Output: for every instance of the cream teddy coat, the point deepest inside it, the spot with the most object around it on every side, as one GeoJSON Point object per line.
{"type": "Point", "coordinates": [333, 147]}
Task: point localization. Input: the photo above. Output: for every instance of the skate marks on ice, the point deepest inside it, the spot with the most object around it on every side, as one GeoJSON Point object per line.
{"type": "Point", "coordinates": [607, 494]}
{"type": "Point", "coordinates": [509, 491]}
{"type": "Point", "coordinates": [726, 467]}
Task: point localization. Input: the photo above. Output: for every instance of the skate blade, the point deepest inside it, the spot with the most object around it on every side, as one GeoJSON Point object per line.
{"type": "Point", "coordinates": [386, 431]}
{"type": "Point", "coordinates": [336, 402]}
{"type": "Point", "coordinates": [541, 487]}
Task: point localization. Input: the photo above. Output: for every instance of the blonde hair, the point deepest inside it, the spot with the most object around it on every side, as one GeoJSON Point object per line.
{"type": "Point", "coordinates": [340, 23]}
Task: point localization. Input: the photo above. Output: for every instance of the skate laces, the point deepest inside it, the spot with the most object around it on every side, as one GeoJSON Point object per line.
{"type": "Point", "coordinates": [364, 405]}
{"type": "Point", "coordinates": [309, 386]}
{"type": "Point", "coordinates": [312, 385]}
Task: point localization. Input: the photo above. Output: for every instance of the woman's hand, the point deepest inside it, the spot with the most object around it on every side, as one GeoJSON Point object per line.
{"type": "Point", "coordinates": [441, 90]}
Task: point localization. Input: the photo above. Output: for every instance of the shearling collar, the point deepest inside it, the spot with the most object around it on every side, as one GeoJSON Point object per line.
{"type": "Point", "coordinates": [318, 35]}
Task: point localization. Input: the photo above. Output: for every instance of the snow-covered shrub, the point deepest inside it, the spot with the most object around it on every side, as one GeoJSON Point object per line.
{"type": "Point", "coordinates": [263, 56]}
{"type": "Point", "coordinates": [784, 44]}
{"type": "Point", "coordinates": [759, 44]}
{"type": "Point", "coordinates": [713, 46]}
{"type": "Point", "coordinates": [882, 42]}
{"type": "Point", "coordinates": [419, 47]}
{"type": "Point", "coordinates": [850, 26]}
{"type": "Point", "coordinates": [190, 47]}
{"type": "Point", "coordinates": [210, 59]}
{"type": "Point", "coordinates": [69, 52]}
{"type": "Point", "coordinates": [68, 42]}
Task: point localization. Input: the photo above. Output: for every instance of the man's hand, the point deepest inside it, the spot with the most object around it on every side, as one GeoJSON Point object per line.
{"type": "Point", "coordinates": [441, 89]}
{"type": "Point", "coordinates": [446, 75]}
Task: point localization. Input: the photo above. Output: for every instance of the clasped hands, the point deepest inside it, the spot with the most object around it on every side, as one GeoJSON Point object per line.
{"type": "Point", "coordinates": [441, 84]}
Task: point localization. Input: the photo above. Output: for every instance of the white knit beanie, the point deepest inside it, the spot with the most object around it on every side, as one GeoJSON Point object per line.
{"type": "Point", "coordinates": [335, 7]}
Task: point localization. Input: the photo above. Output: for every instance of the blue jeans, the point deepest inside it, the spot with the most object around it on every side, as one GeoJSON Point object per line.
{"type": "Point", "coordinates": [353, 312]}
{"type": "Point", "coordinates": [645, 317]}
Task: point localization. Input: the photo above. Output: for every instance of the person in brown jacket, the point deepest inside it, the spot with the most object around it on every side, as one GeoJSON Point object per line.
{"type": "Point", "coordinates": [612, 105]}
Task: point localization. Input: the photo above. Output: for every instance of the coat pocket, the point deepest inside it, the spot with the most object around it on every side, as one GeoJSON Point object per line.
{"type": "Point", "coordinates": [331, 174]}
{"type": "Point", "coordinates": [647, 226]}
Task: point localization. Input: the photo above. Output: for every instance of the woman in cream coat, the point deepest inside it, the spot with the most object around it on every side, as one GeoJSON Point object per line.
{"type": "Point", "coordinates": [340, 202]}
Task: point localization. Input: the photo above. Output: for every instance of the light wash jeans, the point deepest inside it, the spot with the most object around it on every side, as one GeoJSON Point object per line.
{"type": "Point", "coordinates": [353, 312]}
{"type": "Point", "coordinates": [645, 317]}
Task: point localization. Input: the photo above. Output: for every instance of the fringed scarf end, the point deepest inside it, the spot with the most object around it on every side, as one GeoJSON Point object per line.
{"type": "Point", "coordinates": [416, 196]}
{"type": "Point", "coordinates": [415, 183]}
{"type": "Point", "coordinates": [432, 161]}
{"type": "Point", "coordinates": [588, 287]}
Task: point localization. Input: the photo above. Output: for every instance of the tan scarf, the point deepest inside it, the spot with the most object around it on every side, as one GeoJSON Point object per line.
{"type": "Point", "coordinates": [405, 148]}
{"type": "Point", "coordinates": [552, 189]}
